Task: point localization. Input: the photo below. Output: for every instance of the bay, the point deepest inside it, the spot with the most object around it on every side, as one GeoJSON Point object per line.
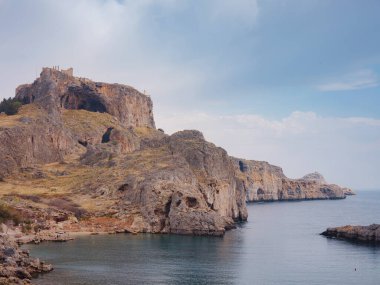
{"type": "Point", "coordinates": [280, 244]}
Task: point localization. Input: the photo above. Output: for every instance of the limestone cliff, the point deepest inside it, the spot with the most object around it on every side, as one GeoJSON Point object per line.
{"type": "Point", "coordinates": [55, 89]}
{"type": "Point", "coordinates": [38, 134]}
{"type": "Point", "coordinates": [85, 156]}
{"type": "Point", "coordinates": [78, 146]}
{"type": "Point", "coordinates": [266, 182]}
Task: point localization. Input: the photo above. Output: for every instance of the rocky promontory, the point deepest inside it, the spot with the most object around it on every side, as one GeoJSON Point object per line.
{"type": "Point", "coordinates": [266, 182]}
{"type": "Point", "coordinates": [368, 234]}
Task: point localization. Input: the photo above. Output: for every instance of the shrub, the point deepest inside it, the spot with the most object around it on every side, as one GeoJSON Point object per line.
{"type": "Point", "coordinates": [66, 204]}
{"type": "Point", "coordinates": [9, 214]}
{"type": "Point", "coordinates": [26, 227]}
{"type": "Point", "coordinates": [33, 198]}
{"type": "Point", "coordinates": [10, 106]}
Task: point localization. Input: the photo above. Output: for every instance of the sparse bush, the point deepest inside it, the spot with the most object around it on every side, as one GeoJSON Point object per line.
{"type": "Point", "coordinates": [26, 227]}
{"type": "Point", "coordinates": [10, 106]}
{"type": "Point", "coordinates": [8, 213]}
{"type": "Point", "coordinates": [34, 198]}
{"type": "Point", "coordinates": [66, 205]}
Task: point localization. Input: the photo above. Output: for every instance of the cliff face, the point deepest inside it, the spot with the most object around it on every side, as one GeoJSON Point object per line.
{"type": "Point", "coordinates": [265, 182]}
{"type": "Point", "coordinates": [55, 89]}
{"type": "Point", "coordinates": [172, 184]}
{"type": "Point", "coordinates": [82, 146]}
{"type": "Point", "coordinates": [32, 137]}
{"type": "Point", "coordinates": [39, 134]}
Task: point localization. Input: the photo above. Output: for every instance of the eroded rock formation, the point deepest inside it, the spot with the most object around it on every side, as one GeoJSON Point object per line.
{"type": "Point", "coordinates": [266, 182]}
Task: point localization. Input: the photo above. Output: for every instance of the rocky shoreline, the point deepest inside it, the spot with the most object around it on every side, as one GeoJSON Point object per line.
{"type": "Point", "coordinates": [366, 234]}
{"type": "Point", "coordinates": [16, 266]}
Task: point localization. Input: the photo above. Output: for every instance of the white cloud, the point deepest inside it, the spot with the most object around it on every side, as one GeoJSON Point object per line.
{"type": "Point", "coordinates": [345, 150]}
{"type": "Point", "coordinates": [359, 80]}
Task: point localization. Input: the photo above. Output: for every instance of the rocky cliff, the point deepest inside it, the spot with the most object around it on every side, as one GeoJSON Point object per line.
{"type": "Point", "coordinates": [38, 134]}
{"type": "Point", "coordinates": [56, 89]}
{"type": "Point", "coordinates": [81, 148]}
{"type": "Point", "coordinates": [85, 156]}
{"type": "Point", "coordinates": [266, 182]}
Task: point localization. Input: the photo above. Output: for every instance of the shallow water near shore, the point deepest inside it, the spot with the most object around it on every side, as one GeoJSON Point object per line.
{"type": "Point", "coordinates": [280, 244]}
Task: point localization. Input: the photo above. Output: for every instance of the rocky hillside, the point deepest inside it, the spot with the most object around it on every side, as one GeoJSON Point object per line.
{"type": "Point", "coordinates": [266, 182]}
{"type": "Point", "coordinates": [85, 156]}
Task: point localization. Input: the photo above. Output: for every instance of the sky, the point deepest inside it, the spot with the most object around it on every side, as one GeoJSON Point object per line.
{"type": "Point", "coordinates": [292, 82]}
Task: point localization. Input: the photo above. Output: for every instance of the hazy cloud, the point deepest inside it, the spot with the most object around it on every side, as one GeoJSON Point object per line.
{"type": "Point", "coordinates": [358, 80]}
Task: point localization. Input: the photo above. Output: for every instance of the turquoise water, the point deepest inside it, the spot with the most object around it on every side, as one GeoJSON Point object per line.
{"type": "Point", "coordinates": [278, 245]}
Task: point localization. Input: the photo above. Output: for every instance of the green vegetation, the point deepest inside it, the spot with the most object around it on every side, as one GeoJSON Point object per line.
{"type": "Point", "coordinates": [10, 106]}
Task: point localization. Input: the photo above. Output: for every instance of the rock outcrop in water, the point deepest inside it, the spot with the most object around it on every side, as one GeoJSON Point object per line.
{"type": "Point", "coordinates": [266, 182]}
{"type": "Point", "coordinates": [369, 234]}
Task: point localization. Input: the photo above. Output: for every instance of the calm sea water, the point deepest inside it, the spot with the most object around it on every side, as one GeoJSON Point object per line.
{"type": "Point", "coordinates": [278, 245]}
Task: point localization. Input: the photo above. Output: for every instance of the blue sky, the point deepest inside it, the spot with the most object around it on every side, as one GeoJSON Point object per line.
{"type": "Point", "coordinates": [295, 83]}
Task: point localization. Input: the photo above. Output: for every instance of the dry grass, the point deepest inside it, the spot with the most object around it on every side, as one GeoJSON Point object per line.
{"type": "Point", "coordinates": [78, 185]}
{"type": "Point", "coordinates": [80, 121]}
{"type": "Point", "coordinates": [30, 111]}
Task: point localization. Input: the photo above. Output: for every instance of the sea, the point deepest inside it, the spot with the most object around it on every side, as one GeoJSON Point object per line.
{"type": "Point", "coordinates": [280, 244]}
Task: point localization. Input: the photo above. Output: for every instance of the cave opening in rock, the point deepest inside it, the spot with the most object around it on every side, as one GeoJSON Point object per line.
{"type": "Point", "coordinates": [191, 202]}
{"type": "Point", "coordinates": [106, 135]}
{"type": "Point", "coordinates": [260, 191]}
{"type": "Point", "coordinates": [84, 143]}
{"type": "Point", "coordinates": [79, 100]}
{"type": "Point", "coordinates": [242, 166]}
{"type": "Point", "coordinates": [92, 105]}
{"type": "Point", "coordinates": [260, 194]}
{"type": "Point", "coordinates": [124, 187]}
{"type": "Point", "coordinates": [167, 206]}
